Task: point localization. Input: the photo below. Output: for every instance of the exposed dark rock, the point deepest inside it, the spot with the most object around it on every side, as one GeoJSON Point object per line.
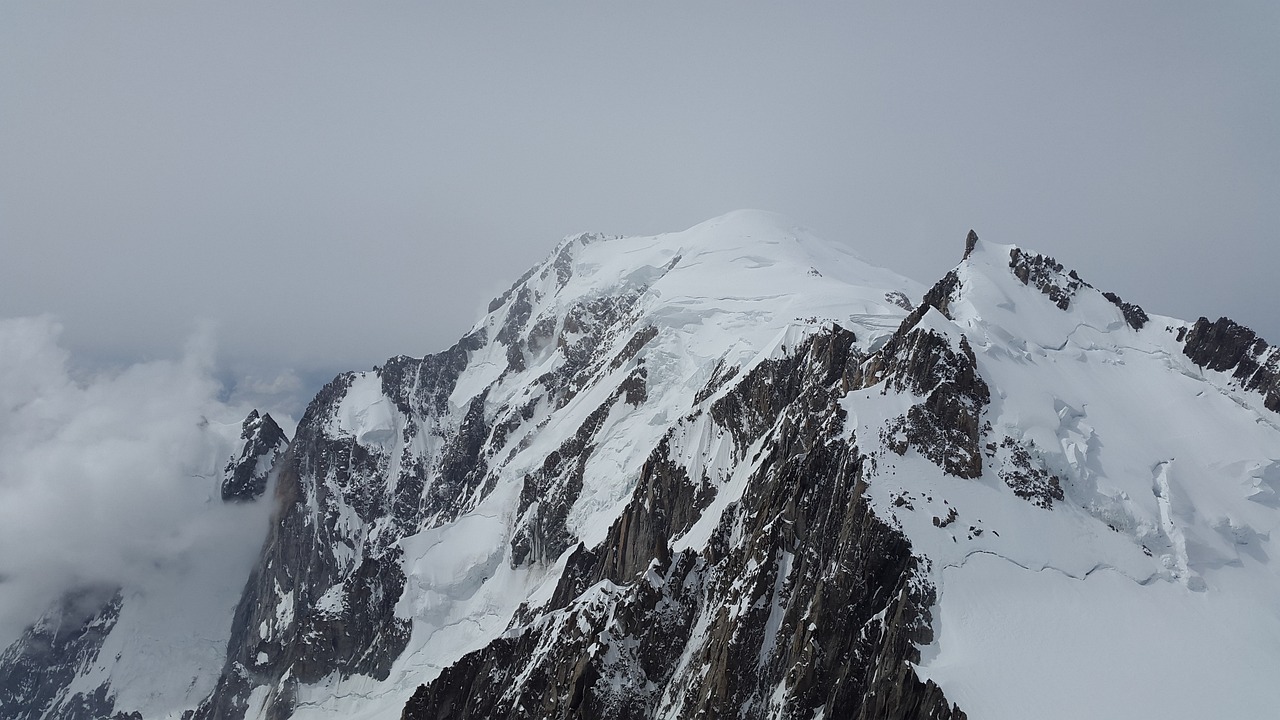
{"type": "Point", "coordinates": [511, 420]}
{"type": "Point", "coordinates": [970, 244]}
{"type": "Point", "coordinates": [36, 670]}
{"type": "Point", "coordinates": [1046, 275]}
{"type": "Point", "coordinates": [548, 493]}
{"type": "Point", "coordinates": [942, 522]}
{"type": "Point", "coordinates": [802, 549]}
{"type": "Point", "coordinates": [578, 650]}
{"type": "Point", "coordinates": [900, 299]}
{"type": "Point", "coordinates": [1227, 346]}
{"type": "Point", "coordinates": [543, 332]}
{"type": "Point", "coordinates": [635, 388]}
{"type": "Point", "coordinates": [363, 636]}
{"type": "Point", "coordinates": [310, 552]}
{"type": "Point", "coordinates": [588, 327]}
{"type": "Point", "coordinates": [756, 401]}
{"type": "Point", "coordinates": [279, 630]}
{"type": "Point", "coordinates": [947, 427]}
{"type": "Point", "coordinates": [637, 341]}
{"type": "Point", "coordinates": [511, 332]}
{"type": "Point", "coordinates": [939, 296]}
{"type": "Point", "coordinates": [1135, 316]}
{"type": "Point", "coordinates": [664, 504]}
{"type": "Point", "coordinates": [562, 264]}
{"type": "Point", "coordinates": [462, 466]}
{"type": "Point", "coordinates": [326, 583]}
{"type": "Point", "coordinates": [1028, 478]}
{"type": "Point", "coordinates": [721, 376]}
{"type": "Point", "coordinates": [423, 385]}
{"type": "Point", "coordinates": [502, 299]}
{"type": "Point", "coordinates": [582, 570]}
{"type": "Point", "coordinates": [245, 478]}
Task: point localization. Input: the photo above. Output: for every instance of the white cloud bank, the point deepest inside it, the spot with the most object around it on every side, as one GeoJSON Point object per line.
{"type": "Point", "coordinates": [114, 478]}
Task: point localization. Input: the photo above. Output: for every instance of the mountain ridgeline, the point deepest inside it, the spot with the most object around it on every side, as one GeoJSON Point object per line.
{"type": "Point", "coordinates": [734, 472]}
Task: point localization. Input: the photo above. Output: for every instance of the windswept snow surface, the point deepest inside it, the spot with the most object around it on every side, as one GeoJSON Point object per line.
{"type": "Point", "coordinates": [1151, 589]}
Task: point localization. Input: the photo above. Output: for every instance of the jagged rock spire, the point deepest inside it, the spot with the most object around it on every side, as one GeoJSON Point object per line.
{"type": "Point", "coordinates": [970, 243]}
{"type": "Point", "coordinates": [246, 478]}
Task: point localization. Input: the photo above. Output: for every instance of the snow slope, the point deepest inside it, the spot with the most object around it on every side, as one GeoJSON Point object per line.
{"type": "Point", "coordinates": [1149, 590]}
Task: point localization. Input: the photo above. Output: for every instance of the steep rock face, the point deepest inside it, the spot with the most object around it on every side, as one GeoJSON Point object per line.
{"type": "Point", "coordinates": [317, 602]}
{"type": "Point", "coordinates": [802, 603]}
{"type": "Point", "coordinates": [37, 670]}
{"type": "Point", "coordinates": [927, 359]}
{"type": "Point", "coordinates": [245, 477]}
{"type": "Point", "coordinates": [1229, 347]}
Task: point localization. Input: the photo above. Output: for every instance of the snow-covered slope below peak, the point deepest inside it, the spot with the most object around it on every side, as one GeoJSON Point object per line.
{"type": "Point", "coordinates": [1020, 299]}
{"type": "Point", "coordinates": [733, 281]}
{"type": "Point", "coordinates": [1126, 500]}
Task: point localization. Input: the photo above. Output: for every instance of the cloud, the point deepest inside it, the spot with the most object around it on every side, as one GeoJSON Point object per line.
{"type": "Point", "coordinates": [284, 395]}
{"type": "Point", "coordinates": [341, 185]}
{"type": "Point", "coordinates": [111, 478]}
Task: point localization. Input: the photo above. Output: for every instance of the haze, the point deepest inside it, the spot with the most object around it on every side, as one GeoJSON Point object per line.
{"type": "Point", "coordinates": [330, 184]}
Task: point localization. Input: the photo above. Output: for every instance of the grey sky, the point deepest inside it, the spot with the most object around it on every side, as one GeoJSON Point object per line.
{"type": "Point", "coordinates": [330, 184]}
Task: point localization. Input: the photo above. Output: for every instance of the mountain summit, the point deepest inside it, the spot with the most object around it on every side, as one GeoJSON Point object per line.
{"type": "Point", "coordinates": [737, 471]}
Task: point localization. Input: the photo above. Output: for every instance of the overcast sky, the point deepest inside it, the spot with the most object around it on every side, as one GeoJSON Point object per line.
{"type": "Point", "coordinates": [329, 184]}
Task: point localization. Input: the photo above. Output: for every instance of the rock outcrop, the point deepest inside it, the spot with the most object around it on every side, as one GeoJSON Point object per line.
{"type": "Point", "coordinates": [245, 477]}
{"type": "Point", "coordinates": [1227, 346]}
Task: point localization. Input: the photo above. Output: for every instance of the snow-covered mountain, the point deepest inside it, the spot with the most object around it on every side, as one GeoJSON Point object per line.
{"type": "Point", "coordinates": [737, 471]}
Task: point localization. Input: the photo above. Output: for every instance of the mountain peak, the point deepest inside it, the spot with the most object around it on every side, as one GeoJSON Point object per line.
{"type": "Point", "coordinates": [245, 477]}
{"type": "Point", "coordinates": [751, 272]}
{"type": "Point", "coordinates": [749, 223]}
